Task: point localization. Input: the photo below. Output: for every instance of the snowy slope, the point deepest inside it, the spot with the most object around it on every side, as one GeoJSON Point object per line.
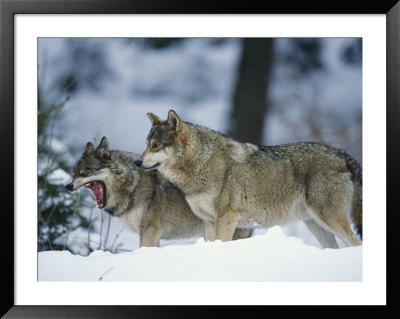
{"type": "Point", "coordinates": [268, 257]}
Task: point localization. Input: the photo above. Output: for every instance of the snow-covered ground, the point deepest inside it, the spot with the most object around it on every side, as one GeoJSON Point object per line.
{"type": "Point", "coordinates": [266, 257]}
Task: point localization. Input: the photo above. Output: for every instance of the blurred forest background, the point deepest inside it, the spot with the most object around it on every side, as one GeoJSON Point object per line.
{"type": "Point", "coordinates": [263, 91]}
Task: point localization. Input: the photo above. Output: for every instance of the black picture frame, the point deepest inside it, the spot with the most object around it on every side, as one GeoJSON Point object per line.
{"type": "Point", "coordinates": [8, 9]}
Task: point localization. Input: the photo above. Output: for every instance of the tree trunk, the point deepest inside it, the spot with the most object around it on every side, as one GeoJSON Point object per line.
{"type": "Point", "coordinates": [250, 97]}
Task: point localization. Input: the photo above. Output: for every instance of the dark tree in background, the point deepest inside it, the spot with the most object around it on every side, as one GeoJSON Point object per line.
{"type": "Point", "coordinates": [304, 56]}
{"type": "Point", "coordinates": [250, 96]}
{"type": "Point", "coordinates": [352, 53]}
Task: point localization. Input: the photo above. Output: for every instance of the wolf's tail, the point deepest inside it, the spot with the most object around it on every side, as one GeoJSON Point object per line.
{"type": "Point", "coordinates": [356, 176]}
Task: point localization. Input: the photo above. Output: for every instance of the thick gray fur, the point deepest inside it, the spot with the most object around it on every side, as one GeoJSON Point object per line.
{"type": "Point", "coordinates": [144, 201]}
{"type": "Point", "coordinates": [231, 185]}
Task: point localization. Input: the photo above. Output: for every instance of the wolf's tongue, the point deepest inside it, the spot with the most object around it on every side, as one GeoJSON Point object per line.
{"type": "Point", "coordinates": [98, 191]}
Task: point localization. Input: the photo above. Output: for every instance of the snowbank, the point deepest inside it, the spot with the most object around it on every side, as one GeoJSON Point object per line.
{"type": "Point", "coordinates": [269, 257]}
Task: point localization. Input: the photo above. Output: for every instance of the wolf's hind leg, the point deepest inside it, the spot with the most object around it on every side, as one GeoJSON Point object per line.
{"type": "Point", "coordinates": [338, 225]}
{"type": "Point", "coordinates": [325, 238]}
{"type": "Point", "coordinates": [330, 198]}
{"type": "Point", "coordinates": [344, 231]}
{"type": "Point", "coordinates": [227, 225]}
{"type": "Point", "coordinates": [242, 233]}
{"type": "Point", "coordinates": [150, 237]}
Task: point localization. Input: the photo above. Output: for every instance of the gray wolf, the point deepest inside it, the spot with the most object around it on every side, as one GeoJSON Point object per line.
{"type": "Point", "coordinates": [231, 185]}
{"type": "Point", "coordinates": [143, 201]}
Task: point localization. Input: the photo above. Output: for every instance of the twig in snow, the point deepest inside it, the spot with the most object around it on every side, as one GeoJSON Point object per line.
{"type": "Point", "coordinates": [108, 232]}
{"type": "Point", "coordinates": [115, 239]}
{"type": "Point", "coordinates": [101, 229]}
{"type": "Point", "coordinates": [72, 220]}
{"type": "Point", "coordinates": [90, 228]}
{"type": "Point", "coordinates": [102, 276]}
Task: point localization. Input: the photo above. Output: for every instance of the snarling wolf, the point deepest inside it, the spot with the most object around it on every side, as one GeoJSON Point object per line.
{"type": "Point", "coordinates": [231, 185]}
{"type": "Point", "coordinates": [143, 201]}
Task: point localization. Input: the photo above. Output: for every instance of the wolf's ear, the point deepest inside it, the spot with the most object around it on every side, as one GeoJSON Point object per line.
{"type": "Point", "coordinates": [103, 148]}
{"type": "Point", "coordinates": [174, 121]}
{"type": "Point", "coordinates": [89, 148]}
{"type": "Point", "coordinates": [154, 119]}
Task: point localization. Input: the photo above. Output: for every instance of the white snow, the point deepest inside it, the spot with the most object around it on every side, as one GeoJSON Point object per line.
{"type": "Point", "coordinates": [267, 257]}
{"type": "Point", "coordinates": [59, 177]}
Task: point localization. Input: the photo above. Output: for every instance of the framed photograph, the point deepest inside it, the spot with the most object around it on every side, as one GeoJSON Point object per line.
{"type": "Point", "coordinates": [85, 89]}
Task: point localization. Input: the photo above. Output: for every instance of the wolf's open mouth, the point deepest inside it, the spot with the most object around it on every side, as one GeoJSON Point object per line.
{"type": "Point", "coordinates": [99, 191]}
{"type": "Point", "coordinates": [151, 167]}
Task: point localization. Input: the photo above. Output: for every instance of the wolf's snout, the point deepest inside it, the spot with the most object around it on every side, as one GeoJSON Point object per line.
{"type": "Point", "coordinates": [138, 163]}
{"type": "Point", "coordinates": [69, 187]}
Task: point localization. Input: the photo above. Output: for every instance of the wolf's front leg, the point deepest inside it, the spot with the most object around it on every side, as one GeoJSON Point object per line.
{"type": "Point", "coordinates": [227, 224]}
{"type": "Point", "coordinates": [210, 230]}
{"type": "Point", "coordinates": [150, 236]}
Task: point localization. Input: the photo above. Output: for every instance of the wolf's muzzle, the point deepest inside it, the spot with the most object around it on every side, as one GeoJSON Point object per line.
{"type": "Point", "coordinates": [69, 187]}
{"type": "Point", "coordinates": [138, 163]}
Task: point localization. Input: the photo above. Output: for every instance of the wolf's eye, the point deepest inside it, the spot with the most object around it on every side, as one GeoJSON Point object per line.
{"type": "Point", "coordinates": [83, 172]}
{"type": "Point", "coordinates": [154, 145]}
